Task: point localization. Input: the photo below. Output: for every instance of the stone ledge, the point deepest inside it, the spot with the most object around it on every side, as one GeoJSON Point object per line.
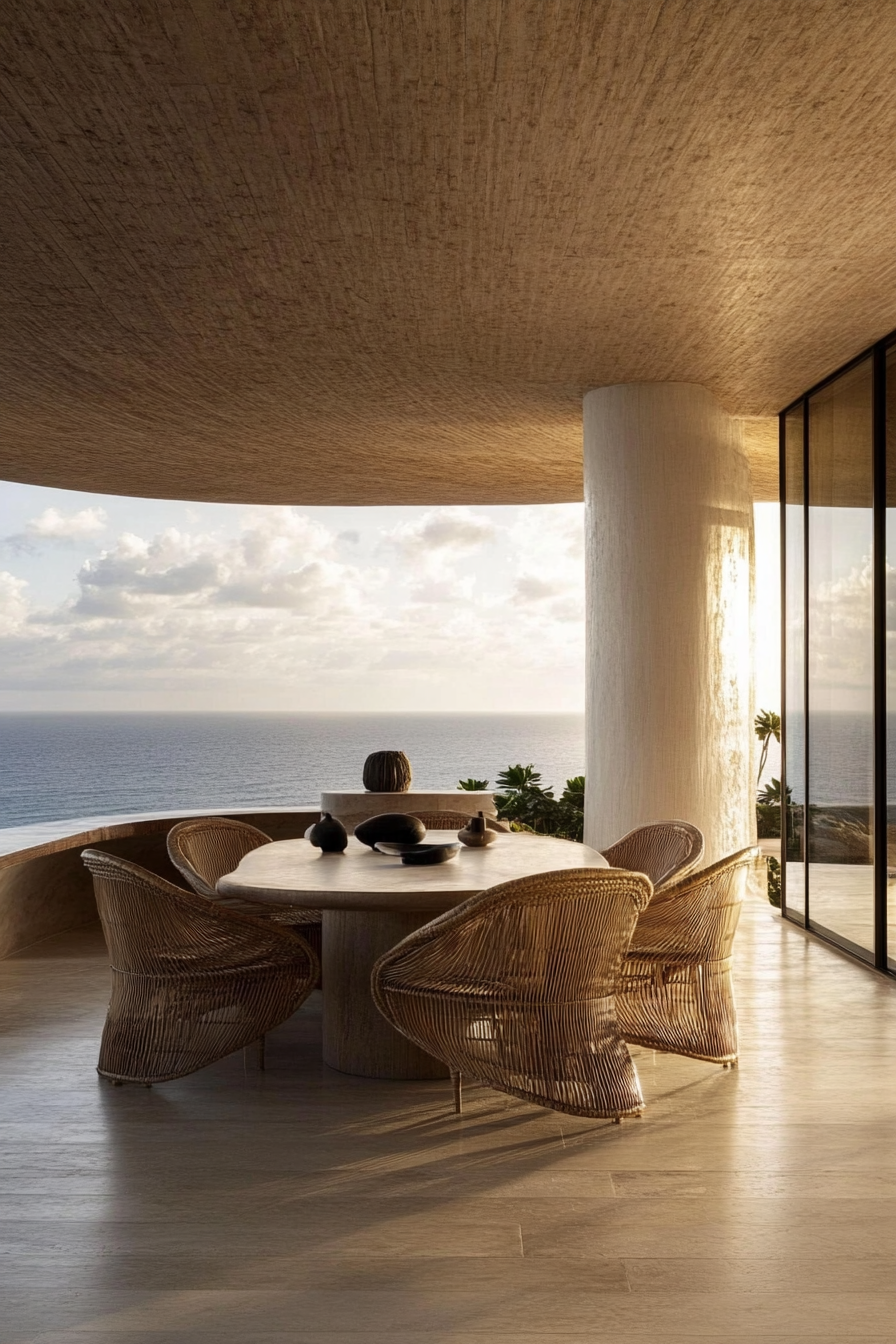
{"type": "Point", "coordinates": [45, 888]}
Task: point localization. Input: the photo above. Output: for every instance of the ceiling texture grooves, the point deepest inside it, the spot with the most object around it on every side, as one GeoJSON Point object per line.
{"type": "Point", "coordinates": [375, 253]}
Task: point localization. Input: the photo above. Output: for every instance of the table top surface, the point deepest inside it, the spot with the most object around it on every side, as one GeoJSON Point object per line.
{"type": "Point", "coordinates": [293, 872]}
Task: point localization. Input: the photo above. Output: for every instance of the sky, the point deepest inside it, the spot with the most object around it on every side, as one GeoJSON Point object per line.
{"type": "Point", "coordinates": [131, 604]}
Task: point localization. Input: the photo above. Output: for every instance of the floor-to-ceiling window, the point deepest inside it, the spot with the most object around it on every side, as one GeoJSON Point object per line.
{"type": "Point", "coordinates": [794, 645]}
{"type": "Point", "coordinates": [838, 457]}
{"type": "Point", "coordinates": [888, 435]}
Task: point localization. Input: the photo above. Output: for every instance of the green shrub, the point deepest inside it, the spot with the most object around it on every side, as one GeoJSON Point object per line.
{"type": "Point", "coordinates": [527, 806]}
{"type": "Point", "coordinates": [768, 821]}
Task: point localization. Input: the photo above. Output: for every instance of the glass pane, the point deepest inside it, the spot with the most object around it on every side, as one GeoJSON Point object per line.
{"type": "Point", "coordinates": [839, 826]}
{"type": "Point", "coordinates": [891, 657]}
{"type": "Point", "coordinates": [794, 663]}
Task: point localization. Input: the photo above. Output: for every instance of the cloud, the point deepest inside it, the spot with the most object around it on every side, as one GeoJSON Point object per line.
{"type": "Point", "coordinates": [551, 534]}
{"type": "Point", "coordinates": [840, 610]}
{"type": "Point", "coordinates": [548, 545]}
{"type": "Point", "coordinates": [13, 604]}
{"type": "Point", "coordinates": [298, 590]}
{"type": "Point", "coordinates": [442, 590]}
{"type": "Point", "coordinates": [457, 530]}
{"type": "Point", "coordinates": [266, 611]}
{"type": "Point", "coordinates": [528, 588]}
{"type": "Point", "coordinates": [56, 526]}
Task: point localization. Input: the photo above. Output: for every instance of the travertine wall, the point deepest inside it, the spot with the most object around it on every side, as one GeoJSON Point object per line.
{"type": "Point", "coordinates": [669, 535]}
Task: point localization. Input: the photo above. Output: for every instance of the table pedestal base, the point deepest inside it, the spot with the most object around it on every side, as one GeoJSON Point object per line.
{"type": "Point", "coordinates": [356, 1037]}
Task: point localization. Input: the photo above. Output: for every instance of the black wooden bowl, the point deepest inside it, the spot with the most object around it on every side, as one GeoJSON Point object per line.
{"type": "Point", "coordinates": [420, 854]}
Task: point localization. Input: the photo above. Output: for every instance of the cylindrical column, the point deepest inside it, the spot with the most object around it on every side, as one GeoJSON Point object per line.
{"type": "Point", "coordinates": [669, 563]}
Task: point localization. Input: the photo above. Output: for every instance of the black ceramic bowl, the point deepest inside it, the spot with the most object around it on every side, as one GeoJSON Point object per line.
{"type": "Point", "coordinates": [420, 854]}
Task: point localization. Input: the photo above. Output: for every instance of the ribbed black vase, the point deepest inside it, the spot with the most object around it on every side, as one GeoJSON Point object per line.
{"type": "Point", "coordinates": [387, 772]}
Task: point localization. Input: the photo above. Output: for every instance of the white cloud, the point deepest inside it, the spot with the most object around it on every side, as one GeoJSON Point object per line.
{"type": "Point", "coordinates": [265, 612]}
{"type": "Point", "coordinates": [459, 531]}
{"type": "Point", "coordinates": [13, 604]}
{"type": "Point", "coordinates": [841, 649]}
{"type": "Point", "coordinates": [548, 545]}
{"type": "Point", "coordinates": [54, 525]}
{"type": "Point", "coordinates": [529, 588]}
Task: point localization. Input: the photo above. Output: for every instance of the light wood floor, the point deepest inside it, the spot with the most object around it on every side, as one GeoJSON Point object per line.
{"type": "Point", "coordinates": [301, 1206]}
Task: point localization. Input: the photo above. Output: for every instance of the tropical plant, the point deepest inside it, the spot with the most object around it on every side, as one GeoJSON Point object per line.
{"type": "Point", "coordinates": [519, 779]}
{"type": "Point", "coordinates": [528, 806]}
{"type": "Point", "coordinates": [575, 792]}
{"type": "Point", "coordinates": [766, 725]}
{"type": "Point", "coordinates": [772, 793]}
{"type": "Point", "coordinates": [768, 821]}
{"type": "Point", "coordinates": [473, 785]}
{"type": "Point", "coordinates": [773, 869]}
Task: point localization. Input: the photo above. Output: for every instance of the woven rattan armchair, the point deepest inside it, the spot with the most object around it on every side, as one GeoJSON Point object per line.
{"type": "Point", "coordinates": [676, 990]}
{"type": "Point", "coordinates": [203, 849]}
{"type": "Point", "coordinates": [516, 987]}
{"type": "Point", "coordinates": [663, 850]}
{"type": "Point", "coordinates": [455, 821]}
{"type": "Point", "coordinates": [191, 980]}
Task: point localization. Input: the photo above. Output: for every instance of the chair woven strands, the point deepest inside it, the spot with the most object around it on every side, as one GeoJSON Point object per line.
{"type": "Point", "coordinates": [516, 987]}
{"type": "Point", "coordinates": [191, 980]}
{"type": "Point", "coordinates": [455, 821]}
{"type": "Point", "coordinates": [663, 850]}
{"type": "Point", "coordinates": [676, 991]}
{"type": "Point", "coordinates": [205, 848]}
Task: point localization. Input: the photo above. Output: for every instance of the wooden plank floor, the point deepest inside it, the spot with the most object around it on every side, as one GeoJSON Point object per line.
{"type": "Point", "coordinates": [301, 1206]}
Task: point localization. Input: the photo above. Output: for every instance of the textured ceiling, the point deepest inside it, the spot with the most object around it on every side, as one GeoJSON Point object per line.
{"type": "Point", "coordinates": [358, 253]}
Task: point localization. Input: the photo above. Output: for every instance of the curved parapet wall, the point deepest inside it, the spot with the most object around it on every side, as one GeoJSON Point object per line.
{"type": "Point", "coordinates": [45, 888]}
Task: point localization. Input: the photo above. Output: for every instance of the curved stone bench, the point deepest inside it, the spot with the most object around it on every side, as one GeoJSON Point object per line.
{"type": "Point", "coordinates": [45, 888]}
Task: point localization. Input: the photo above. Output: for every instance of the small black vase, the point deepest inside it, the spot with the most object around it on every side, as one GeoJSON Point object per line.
{"type": "Point", "coordinates": [328, 835]}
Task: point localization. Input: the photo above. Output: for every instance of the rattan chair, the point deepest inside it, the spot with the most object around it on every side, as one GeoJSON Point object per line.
{"type": "Point", "coordinates": [676, 989]}
{"type": "Point", "coordinates": [455, 821]}
{"type": "Point", "coordinates": [516, 987]}
{"type": "Point", "coordinates": [203, 849]}
{"type": "Point", "coordinates": [191, 980]}
{"type": "Point", "coordinates": [663, 850]}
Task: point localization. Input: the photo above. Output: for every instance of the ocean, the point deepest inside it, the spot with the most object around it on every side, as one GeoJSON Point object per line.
{"type": "Point", "coordinates": [57, 766]}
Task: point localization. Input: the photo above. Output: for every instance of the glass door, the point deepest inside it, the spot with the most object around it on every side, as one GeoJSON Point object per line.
{"type": "Point", "coordinates": [839, 823]}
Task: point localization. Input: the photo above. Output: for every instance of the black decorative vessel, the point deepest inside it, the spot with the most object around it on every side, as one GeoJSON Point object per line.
{"type": "Point", "coordinates": [328, 835]}
{"type": "Point", "coordinates": [395, 826]}
{"type": "Point", "coordinates": [387, 772]}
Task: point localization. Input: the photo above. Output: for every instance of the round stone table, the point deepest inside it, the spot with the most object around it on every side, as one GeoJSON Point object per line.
{"type": "Point", "coordinates": [370, 901]}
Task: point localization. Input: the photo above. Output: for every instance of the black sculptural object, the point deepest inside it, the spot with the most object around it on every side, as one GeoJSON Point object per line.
{"type": "Point", "coordinates": [395, 826]}
{"type": "Point", "coordinates": [387, 772]}
{"type": "Point", "coordinates": [328, 835]}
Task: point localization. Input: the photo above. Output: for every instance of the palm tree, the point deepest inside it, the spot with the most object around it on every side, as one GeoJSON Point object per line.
{"type": "Point", "coordinates": [767, 725]}
{"type": "Point", "coordinates": [473, 785]}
